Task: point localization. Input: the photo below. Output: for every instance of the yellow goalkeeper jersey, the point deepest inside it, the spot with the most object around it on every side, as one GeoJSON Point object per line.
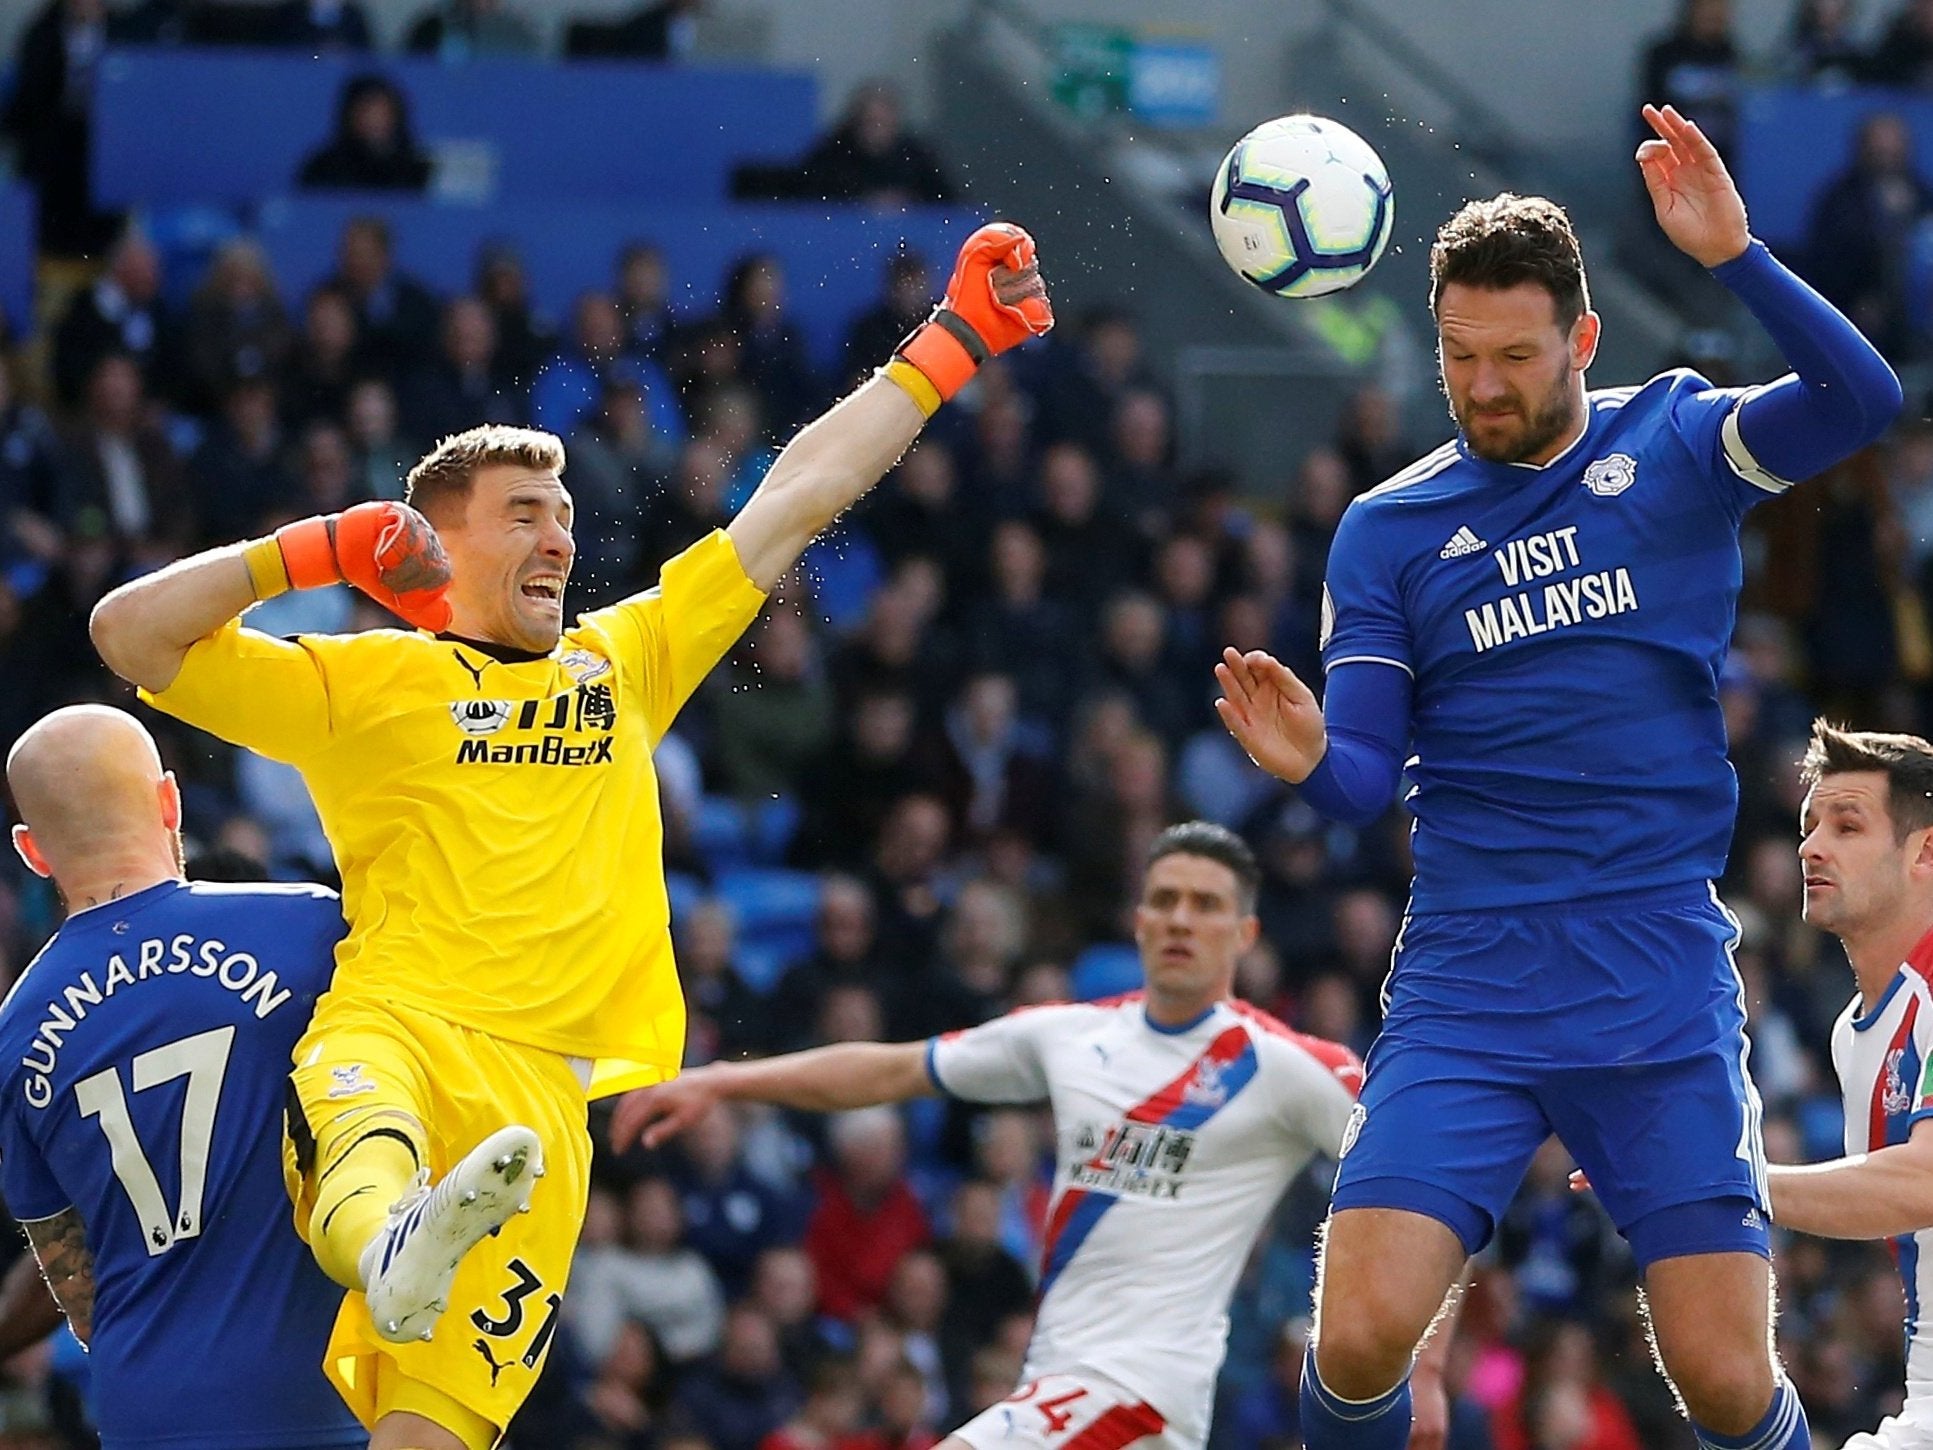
{"type": "Point", "coordinates": [495, 822]}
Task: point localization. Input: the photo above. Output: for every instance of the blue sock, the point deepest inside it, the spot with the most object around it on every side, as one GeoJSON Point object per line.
{"type": "Point", "coordinates": [1332, 1423]}
{"type": "Point", "coordinates": [1783, 1428]}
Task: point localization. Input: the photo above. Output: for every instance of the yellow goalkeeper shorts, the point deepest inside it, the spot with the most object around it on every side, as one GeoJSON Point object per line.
{"type": "Point", "coordinates": [361, 1057]}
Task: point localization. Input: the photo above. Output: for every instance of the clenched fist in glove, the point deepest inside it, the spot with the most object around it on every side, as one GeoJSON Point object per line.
{"type": "Point", "coordinates": [387, 550]}
{"type": "Point", "coordinates": [994, 301]}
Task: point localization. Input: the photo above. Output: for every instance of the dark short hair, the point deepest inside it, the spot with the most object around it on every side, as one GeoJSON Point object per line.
{"type": "Point", "coordinates": [1216, 843]}
{"type": "Point", "coordinates": [1507, 241]}
{"type": "Point", "coordinates": [1905, 760]}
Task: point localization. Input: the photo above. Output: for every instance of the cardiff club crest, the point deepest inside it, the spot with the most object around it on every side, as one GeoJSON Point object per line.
{"type": "Point", "coordinates": [1610, 476]}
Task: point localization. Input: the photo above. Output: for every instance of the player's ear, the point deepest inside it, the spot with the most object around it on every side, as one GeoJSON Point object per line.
{"type": "Point", "coordinates": [169, 793]}
{"type": "Point", "coordinates": [1922, 851]}
{"type": "Point", "coordinates": [1251, 929]}
{"type": "Point", "coordinates": [23, 842]}
{"type": "Point", "coordinates": [1584, 339]}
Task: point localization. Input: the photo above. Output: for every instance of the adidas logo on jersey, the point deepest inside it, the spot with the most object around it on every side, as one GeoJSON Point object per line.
{"type": "Point", "coordinates": [1462, 544]}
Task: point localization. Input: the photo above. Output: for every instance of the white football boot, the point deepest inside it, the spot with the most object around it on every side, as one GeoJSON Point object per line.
{"type": "Point", "coordinates": [408, 1265]}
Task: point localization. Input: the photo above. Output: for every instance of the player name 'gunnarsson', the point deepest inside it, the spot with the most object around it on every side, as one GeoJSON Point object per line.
{"type": "Point", "coordinates": [1558, 603]}
{"type": "Point", "coordinates": [238, 971]}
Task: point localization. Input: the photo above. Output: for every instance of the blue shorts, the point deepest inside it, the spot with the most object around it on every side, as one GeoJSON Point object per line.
{"type": "Point", "coordinates": [1616, 1024]}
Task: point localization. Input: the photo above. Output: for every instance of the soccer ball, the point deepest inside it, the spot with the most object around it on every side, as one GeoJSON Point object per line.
{"type": "Point", "coordinates": [1302, 206]}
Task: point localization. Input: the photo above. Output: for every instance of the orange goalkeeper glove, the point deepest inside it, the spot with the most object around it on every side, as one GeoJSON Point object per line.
{"type": "Point", "coordinates": [387, 550]}
{"type": "Point", "coordinates": [994, 301]}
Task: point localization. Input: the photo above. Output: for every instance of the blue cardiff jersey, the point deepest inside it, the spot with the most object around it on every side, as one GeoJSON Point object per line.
{"type": "Point", "coordinates": [144, 1062]}
{"type": "Point", "coordinates": [1565, 624]}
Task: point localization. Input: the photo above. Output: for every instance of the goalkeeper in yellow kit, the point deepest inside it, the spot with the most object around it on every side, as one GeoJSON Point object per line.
{"type": "Point", "coordinates": [486, 784]}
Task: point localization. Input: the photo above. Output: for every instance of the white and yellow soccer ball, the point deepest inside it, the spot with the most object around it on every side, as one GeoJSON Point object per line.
{"type": "Point", "coordinates": [1302, 206]}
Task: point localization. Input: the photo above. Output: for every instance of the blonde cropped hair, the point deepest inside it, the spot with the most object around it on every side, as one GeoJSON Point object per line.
{"type": "Point", "coordinates": [442, 478]}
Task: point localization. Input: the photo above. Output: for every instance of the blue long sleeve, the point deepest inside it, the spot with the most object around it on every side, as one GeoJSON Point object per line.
{"type": "Point", "coordinates": [1366, 709]}
{"type": "Point", "coordinates": [1844, 397]}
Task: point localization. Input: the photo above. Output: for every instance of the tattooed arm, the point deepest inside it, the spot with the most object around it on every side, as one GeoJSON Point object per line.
{"type": "Point", "coordinates": [60, 1245]}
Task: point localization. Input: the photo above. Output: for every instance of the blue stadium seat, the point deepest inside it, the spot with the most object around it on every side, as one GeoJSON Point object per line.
{"type": "Point", "coordinates": [241, 121]}
{"type": "Point", "coordinates": [769, 902]}
{"type": "Point", "coordinates": [685, 893]}
{"type": "Point", "coordinates": [1793, 140]}
{"type": "Point", "coordinates": [17, 222]}
{"type": "Point", "coordinates": [774, 823]}
{"type": "Point", "coordinates": [1822, 1126]}
{"type": "Point", "coordinates": [760, 964]}
{"type": "Point", "coordinates": [1919, 280]}
{"type": "Point", "coordinates": [844, 570]}
{"type": "Point", "coordinates": [833, 256]}
{"type": "Point", "coordinates": [722, 832]}
{"type": "Point", "coordinates": [733, 833]}
{"type": "Point", "coordinates": [25, 577]}
{"type": "Point", "coordinates": [187, 236]}
{"type": "Point", "coordinates": [1105, 969]}
{"type": "Point", "coordinates": [925, 1120]}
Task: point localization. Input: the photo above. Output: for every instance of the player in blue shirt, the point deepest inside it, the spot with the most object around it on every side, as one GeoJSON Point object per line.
{"type": "Point", "coordinates": [1530, 621]}
{"type": "Point", "coordinates": [144, 1063]}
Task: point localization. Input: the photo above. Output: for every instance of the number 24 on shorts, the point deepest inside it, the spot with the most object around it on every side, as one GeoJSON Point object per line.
{"type": "Point", "coordinates": [1072, 1413]}
{"type": "Point", "coordinates": [1053, 1407]}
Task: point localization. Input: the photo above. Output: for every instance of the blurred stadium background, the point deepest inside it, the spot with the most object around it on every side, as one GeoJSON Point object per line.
{"type": "Point", "coordinates": [254, 256]}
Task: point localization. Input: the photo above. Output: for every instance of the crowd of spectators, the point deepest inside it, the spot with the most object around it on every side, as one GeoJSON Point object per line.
{"type": "Point", "coordinates": [1867, 232]}
{"type": "Point", "coordinates": [964, 718]}
{"type": "Point", "coordinates": [869, 154]}
{"type": "Point", "coordinates": [977, 702]}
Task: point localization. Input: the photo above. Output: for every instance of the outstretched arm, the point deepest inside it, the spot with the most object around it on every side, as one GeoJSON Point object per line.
{"type": "Point", "coordinates": [1865, 1196]}
{"type": "Point", "coordinates": [826, 468]}
{"type": "Point", "coordinates": [60, 1247]}
{"type": "Point", "coordinates": [822, 1079]}
{"type": "Point", "coordinates": [994, 301]}
{"type": "Point", "coordinates": [1843, 395]}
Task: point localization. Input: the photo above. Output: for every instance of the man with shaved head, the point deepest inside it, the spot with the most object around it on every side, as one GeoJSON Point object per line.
{"type": "Point", "coordinates": [94, 803]}
{"type": "Point", "coordinates": [143, 1065]}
